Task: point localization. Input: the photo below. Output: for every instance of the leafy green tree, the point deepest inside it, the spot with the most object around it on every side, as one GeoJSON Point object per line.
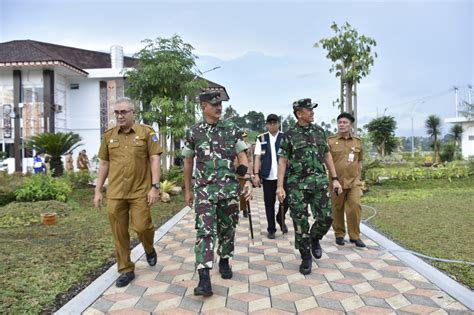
{"type": "Point", "coordinates": [255, 121]}
{"type": "Point", "coordinates": [166, 85]}
{"type": "Point", "coordinates": [456, 132]}
{"type": "Point", "coordinates": [229, 113]}
{"type": "Point", "coordinates": [288, 122]}
{"type": "Point", "coordinates": [433, 129]}
{"type": "Point", "coordinates": [352, 56]}
{"type": "Point", "coordinates": [381, 132]}
{"type": "Point", "coordinates": [55, 144]}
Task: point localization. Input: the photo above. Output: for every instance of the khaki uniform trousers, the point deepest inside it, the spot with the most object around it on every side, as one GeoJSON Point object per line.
{"type": "Point", "coordinates": [120, 211]}
{"type": "Point", "coordinates": [348, 200]}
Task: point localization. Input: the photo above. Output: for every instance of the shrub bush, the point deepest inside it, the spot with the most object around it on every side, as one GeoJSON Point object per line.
{"type": "Point", "coordinates": [174, 174]}
{"type": "Point", "coordinates": [40, 187]}
{"type": "Point", "coordinates": [79, 179]}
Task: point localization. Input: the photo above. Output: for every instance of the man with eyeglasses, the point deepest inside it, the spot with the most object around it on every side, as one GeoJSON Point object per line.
{"type": "Point", "coordinates": [214, 143]}
{"type": "Point", "coordinates": [305, 149]}
{"type": "Point", "coordinates": [130, 157]}
{"type": "Point", "coordinates": [266, 166]}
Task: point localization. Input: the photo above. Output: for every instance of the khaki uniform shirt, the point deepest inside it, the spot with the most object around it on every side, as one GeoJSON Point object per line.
{"type": "Point", "coordinates": [346, 154]}
{"type": "Point", "coordinates": [129, 160]}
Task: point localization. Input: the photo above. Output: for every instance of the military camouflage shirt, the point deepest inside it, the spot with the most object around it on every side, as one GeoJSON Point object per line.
{"type": "Point", "coordinates": [305, 149]}
{"type": "Point", "coordinates": [215, 148]}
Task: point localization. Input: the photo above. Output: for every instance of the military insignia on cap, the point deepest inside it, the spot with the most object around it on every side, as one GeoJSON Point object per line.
{"type": "Point", "coordinates": [304, 102]}
{"type": "Point", "coordinates": [211, 97]}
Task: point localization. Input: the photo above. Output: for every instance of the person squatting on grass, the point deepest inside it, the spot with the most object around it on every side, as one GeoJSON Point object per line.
{"type": "Point", "coordinates": [305, 150]}
{"type": "Point", "coordinates": [214, 143]}
{"type": "Point", "coordinates": [130, 157]}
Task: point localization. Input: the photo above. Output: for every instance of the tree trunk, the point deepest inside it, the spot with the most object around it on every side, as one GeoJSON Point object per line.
{"type": "Point", "coordinates": [56, 166]}
{"type": "Point", "coordinates": [349, 98]}
{"type": "Point", "coordinates": [341, 100]}
{"type": "Point", "coordinates": [355, 107]}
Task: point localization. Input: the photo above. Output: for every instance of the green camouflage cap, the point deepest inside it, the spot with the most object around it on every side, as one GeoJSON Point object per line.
{"type": "Point", "coordinates": [304, 102]}
{"type": "Point", "coordinates": [211, 97]}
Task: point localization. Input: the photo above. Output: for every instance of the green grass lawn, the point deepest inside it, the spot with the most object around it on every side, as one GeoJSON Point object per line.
{"type": "Point", "coordinates": [433, 217]}
{"type": "Point", "coordinates": [40, 263]}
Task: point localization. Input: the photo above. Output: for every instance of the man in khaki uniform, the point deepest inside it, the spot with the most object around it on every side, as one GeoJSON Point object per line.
{"type": "Point", "coordinates": [346, 151]}
{"type": "Point", "coordinates": [130, 156]}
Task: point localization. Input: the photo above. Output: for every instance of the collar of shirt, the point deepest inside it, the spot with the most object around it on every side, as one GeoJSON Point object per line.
{"type": "Point", "coordinates": [339, 136]}
{"type": "Point", "coordinates": [206, 126]}
{"type": "Point", "coordinates": [133, 128]}
{"type": "Point", "coordinates": [304, 128]}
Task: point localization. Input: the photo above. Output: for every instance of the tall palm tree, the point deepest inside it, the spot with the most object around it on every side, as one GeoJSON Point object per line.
{"type": "Point", "coordinates": [55, 144]}
{"type": "Point", "coordinates": [456, 131]}
{"type": "Point", "coordinates": [433, 129]}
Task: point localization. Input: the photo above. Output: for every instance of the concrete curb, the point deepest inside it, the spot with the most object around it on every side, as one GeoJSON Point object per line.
{"type": "Point", "coordinates": [445, 283]}
{"type": "Point", "coordinates": [92, 292]}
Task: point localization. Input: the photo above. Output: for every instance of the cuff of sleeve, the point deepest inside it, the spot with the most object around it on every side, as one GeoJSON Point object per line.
{"type": "Point", "coordinates": [187, 153]}
{"type": "Point", "coordinates": [240, 146]}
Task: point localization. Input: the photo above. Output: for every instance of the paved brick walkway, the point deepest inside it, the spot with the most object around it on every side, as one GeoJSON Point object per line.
{"type": "Point", "coordinates": [267, 281]}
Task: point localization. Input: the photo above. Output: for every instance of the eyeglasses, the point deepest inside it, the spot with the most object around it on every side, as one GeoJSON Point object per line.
{"type": "Point", "coordinates": [122, 112]}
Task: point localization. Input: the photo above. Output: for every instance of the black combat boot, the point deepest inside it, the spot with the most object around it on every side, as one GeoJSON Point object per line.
{"type": "Point", "coordinates": [316, 249]}
{"type": "Point", "coordinates": [204, 287]}
{"type": "Point", "coordinates": [224, 268]}
{"type": "Point", "coordinates": [306, 261]}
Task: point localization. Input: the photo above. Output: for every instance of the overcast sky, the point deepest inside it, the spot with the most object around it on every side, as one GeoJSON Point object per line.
{"type": "Point", "coordinates": [265, 48]}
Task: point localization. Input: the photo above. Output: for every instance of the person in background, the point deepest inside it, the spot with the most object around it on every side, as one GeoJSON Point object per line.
{"type": "Point", "coordinates": [83, 161]}
{"type": "Point", "coordinates": [346, 151]}
{"type": "Point", "coordinates": [130, 157]}
{"type": "Point", "coordinates": [38, 164]}
{"type": "Point", "coordinates": [266, 166]}
{"type": "Point", "coordinates": [243, 202]}
{"type": "Point", "coordinates": [69, 162]}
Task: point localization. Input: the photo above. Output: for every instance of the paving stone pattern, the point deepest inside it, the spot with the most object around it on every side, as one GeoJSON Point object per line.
{"type": "Point", "coordinates": [346, 280]}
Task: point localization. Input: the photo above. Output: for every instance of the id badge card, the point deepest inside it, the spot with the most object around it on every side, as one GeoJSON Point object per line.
{"type": "Point", "coordinates": [351, 157]}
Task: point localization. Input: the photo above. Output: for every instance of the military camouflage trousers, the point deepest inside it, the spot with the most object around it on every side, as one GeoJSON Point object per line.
{"type": "Point", "coordinates": [319, 201]}
{"type": "Point", "coordinates": [215, 219]}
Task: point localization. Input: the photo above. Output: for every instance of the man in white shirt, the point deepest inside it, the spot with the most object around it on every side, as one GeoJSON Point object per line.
{"type": "Point", "coordinates": [266, 172]}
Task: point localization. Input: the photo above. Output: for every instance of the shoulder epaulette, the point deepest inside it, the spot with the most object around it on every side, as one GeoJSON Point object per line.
{"type": "Point", "coordinates": [356, 137]}
{"type": "Point", "coordinates": [109, 129]}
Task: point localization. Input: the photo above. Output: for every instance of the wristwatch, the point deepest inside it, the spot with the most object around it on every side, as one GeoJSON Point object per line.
{"type": "Point", "coordinates": [156, 185]}
{"type": "Point", "coordinates": [335, 178]}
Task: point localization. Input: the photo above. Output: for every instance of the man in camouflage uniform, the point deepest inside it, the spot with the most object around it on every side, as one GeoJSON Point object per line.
{"type": "Point", "coordinates": [214, 144]}
{"type": "Point", "coordinates": [304, 147]}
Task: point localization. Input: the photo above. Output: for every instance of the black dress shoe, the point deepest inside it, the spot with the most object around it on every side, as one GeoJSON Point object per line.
{"type": "Point", "coordinates": [245, 213]}
{"type": "Point", "coordinates": [358, 243]}
{"type": "Point", "coordinates": [151, 258]}
{"type": "Point", "coordinates": [271, 235]}
{"type": "Point", "coordinates": [316, 249]}
{"type": "Point", "coordinates": [340, 241]}
{"type": "Point", "coordinates": [125, 279]}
